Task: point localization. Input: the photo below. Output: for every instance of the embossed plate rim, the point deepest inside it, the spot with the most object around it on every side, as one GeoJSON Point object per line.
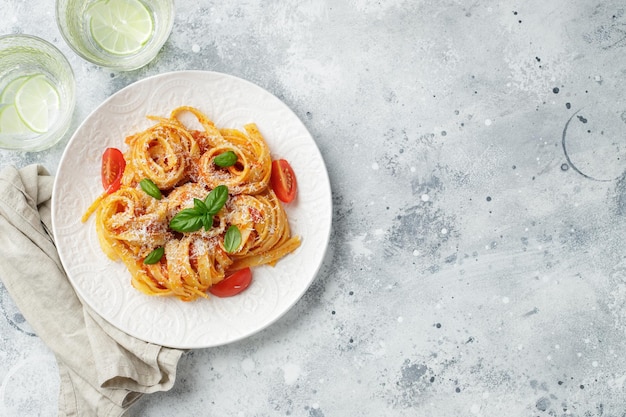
{"type": "Point", "coordinates": [257, 104]}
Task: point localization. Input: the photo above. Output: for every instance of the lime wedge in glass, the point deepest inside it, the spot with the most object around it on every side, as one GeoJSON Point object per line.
{"type": "Point", "coordinates": [8, 94]}
{"type": "Point", "coordinates": [37, 103]}
{"type": "Point", "coordinates": [120, 27]}
{"type": "Point", "coordinates": [10, 121]}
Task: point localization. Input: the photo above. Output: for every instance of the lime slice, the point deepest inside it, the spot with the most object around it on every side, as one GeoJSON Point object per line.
{"type": "Point", "coordinates": [10, 121]}
{"type": "Point", "coordinates": [121, 27]}
{"type": "Point", "coordinates": [8, 94]}
{"type": "Point", "coordinates": [37, 103]}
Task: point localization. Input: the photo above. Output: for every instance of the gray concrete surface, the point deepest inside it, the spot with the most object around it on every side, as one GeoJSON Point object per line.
{"type": "Point", "coordinates": [476, 156]}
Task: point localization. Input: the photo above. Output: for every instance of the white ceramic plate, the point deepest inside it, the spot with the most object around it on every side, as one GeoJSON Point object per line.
{"type": "Point", "coordinates": [105, 285]}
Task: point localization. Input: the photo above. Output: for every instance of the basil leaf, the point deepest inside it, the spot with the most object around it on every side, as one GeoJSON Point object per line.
{"type": "Point", "coordinates": [226, 159]}
{"type": "Point", "coordinates": [150, 188]}
{"type": "Point", "coordinates": [187, 220]}
{"type": "Point", "coordinates": [232, 239]}
{"type": "Point", "coordinates": [154, 256]}
{"type": "Point", "coordinates": [199, 205]}
{"type": "Point", "coordinates": [216, 199]}
{"type": "Point", "coordinates": [192, 219]}
{"type": "Point", "coordinates": [207, 221]}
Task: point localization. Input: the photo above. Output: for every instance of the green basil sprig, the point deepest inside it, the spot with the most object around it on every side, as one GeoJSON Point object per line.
{"type": "Point", "coordinates": [192, 219]}
{"type": "Point", "coordinates": [154, 256]}
{"type": "Point", "coordinates": [225, 159]}
{"type": "Point", "coordinates": [150, 188]}
{"type": "Point", "coordinates": [232, 239]}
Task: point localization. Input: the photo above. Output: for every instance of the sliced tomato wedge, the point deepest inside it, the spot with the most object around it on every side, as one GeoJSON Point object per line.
{"type": "Point", "coordinates": [232, 284]}
{"type": "Point", "coordinates": [113, 165]}
{"type": "Point", "coordinates": [283, 180]}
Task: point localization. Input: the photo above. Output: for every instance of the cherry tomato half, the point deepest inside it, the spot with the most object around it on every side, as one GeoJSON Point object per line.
{"type": "Point", "coordinates": [113, 164]}
{"type": "Point", "coordinates": [232, 284]}
{"type": "Point", "coordinates": [283, 181]}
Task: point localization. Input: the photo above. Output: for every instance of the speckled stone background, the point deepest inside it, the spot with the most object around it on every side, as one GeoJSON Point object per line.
{"type": "Point", "coordinates": [476, 155]}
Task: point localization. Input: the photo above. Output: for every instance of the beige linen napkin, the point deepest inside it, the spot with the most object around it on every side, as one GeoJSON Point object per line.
{"type": "Point", "coordinates": [103, 370]}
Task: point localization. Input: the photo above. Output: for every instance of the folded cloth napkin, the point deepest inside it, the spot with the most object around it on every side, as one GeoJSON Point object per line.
{"type": "Point", "coordinates": [103, 370]}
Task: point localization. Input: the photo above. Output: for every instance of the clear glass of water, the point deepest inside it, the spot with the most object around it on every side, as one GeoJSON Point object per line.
{"type": "Point", "coordinates": [36, 93]}
{"type": "Point", "coordinates": [118, 34]}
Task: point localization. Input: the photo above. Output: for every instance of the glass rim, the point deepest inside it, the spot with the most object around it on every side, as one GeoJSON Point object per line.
{"type": "Point", "coordinates": [129, 63]}
{"type": "Point", "coordinates": [31, 37]}
{"type": "Point", "coordinates": [48, 139]}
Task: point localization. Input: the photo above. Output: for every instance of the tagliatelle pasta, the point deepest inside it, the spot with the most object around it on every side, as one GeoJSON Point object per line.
{"type": "Point", "coordinates": [133, 225]}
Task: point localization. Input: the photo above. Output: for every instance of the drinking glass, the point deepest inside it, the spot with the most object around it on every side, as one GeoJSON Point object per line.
{"type": "Point", "coordinates": [118, 34]}
{"type": "Point", "coordinates": [36, 93]}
